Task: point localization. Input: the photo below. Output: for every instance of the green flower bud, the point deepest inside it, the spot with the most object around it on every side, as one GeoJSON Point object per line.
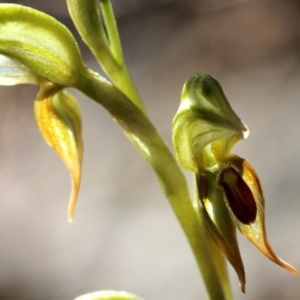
{"type": "Point", "coordinates": [40, 43]}
{"type": "Point", "coordinates": [108, 295]}
{"type": "Point", "coordinates": [59, 120]}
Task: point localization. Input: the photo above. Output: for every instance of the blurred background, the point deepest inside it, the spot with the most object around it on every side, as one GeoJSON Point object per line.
{"type": "Point", "coordinates": [125, 236]}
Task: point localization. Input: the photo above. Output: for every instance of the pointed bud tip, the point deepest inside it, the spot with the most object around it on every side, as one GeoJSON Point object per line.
{"type": "Point", "coordinates": [70, 214]}
{"type": "Point", "coordinates": [71, 208]}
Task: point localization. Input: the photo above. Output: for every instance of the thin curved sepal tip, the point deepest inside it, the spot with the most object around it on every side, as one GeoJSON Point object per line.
{"type": "Point", "coordinates": [243, 287]}
{"type": "Point", "coordinates": [269, 252]}
{"type": "Point", "coordinates": [288, 267]}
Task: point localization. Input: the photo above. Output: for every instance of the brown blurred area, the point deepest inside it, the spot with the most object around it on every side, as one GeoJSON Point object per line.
{"type": "Point", "coordinates": [125, 236]}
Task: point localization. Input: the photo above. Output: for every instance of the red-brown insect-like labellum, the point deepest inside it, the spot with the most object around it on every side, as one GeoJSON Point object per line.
{"type": "Point", "coordinates": [238, 195]}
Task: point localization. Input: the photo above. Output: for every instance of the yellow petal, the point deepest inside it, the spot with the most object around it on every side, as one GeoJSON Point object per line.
{"type": "Point", "coordinates": [59, 120]}
{"type": "Point", "coordinates": [255, 231]}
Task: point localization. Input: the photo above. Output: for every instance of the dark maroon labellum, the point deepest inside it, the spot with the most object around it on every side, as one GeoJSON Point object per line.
{"type": "Point", "coordinates": [238, 195]}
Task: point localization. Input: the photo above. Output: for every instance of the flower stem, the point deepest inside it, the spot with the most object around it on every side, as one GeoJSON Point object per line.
{"type": "Point", "coordinates": [151, 146]}
{"type": "Point", "coordinates": [112, 30]}
{"type": "Point", "coordinates": [120, 75]}
{"type": "Point", "coordinates": [104, 43]}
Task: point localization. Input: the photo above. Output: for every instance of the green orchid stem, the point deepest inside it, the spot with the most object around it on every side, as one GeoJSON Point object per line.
{"type": "Point", "coordinates": [147, 140]}
{"type": "Point", "coordinates": [118, 71]}
{"type": "Point", "coordinates": [122, 79]}
{"type": "Point", "coordinates": [112, 30]}
{"type": "Point", "coordinates": [104, 42]}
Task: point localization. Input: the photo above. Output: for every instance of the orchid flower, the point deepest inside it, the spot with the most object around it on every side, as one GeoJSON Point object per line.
{"type": "Point", "coordinates": [205, 129]}
{"type": "Point", "coordinates": [37, 49]}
